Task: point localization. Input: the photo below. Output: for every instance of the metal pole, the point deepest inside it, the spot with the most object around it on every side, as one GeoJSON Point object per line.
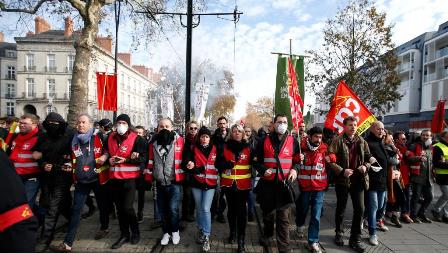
{"type": "Point", "coordinates": [188, 60]}
{"type": "Point", "coordinates": [117, 23]}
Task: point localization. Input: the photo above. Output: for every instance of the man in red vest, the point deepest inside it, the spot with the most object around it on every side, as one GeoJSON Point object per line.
{"type": "Point", "coordinates": [165, 168]}
{"type": "Point", "coordinates": [127, 160]}
{"type": "Point", "coordinates": [312, 183]}
{"type": "Point", "coordinates": [18, 225]}
{"type": "Point", "coordinates": [278, 169]}
{"type": "Point", "coordinates": [24, 154]}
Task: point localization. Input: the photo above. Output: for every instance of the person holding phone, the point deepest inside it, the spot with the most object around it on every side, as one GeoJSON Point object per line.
{"type": "Point", "coordinates": [278, 157]}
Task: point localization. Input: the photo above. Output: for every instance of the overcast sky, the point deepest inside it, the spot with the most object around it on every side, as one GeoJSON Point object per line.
{"type": "Point", "coordinates": [266, 26]}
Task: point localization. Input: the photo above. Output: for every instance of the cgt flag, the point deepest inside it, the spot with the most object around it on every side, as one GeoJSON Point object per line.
{"type": "Point", "coordinates": [346, 103]}
{"type": "Point", "coordinates": [106, 91]}
{"type": "Point", "coordinates": [438, 120]}
{"type": "Point", "coordinates": [295, 100]}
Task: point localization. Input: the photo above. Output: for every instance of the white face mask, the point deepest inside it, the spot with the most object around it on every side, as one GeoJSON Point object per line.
{"type": "Point", "coordinates": [121, 129]}
{"type": "Point", "coordinates": [428, 142]}
{"type": "Point", "coordinates": [281, 128]}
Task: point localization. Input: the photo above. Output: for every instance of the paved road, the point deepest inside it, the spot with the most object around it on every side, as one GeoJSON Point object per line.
{"type": "Point", "coordinates": [411, 238]}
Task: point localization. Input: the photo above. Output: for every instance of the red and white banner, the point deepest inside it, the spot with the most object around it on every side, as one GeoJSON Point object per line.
{"type": "Point", "coordinates": [106, 91]}
{"type": "Point", "coordinates": [295, 101]}
{"type": "Point", "coordinates": [346, 103]}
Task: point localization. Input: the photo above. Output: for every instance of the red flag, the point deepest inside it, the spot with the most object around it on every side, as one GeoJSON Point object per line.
{"type": "Point", "coordinates": [346, 103]}
{"type": "Point", "coordinates": [295, 101]}
{"type": "Point", "coordinates": [106, 91]}
{"type": "Point", "coordinates": [438, 119]}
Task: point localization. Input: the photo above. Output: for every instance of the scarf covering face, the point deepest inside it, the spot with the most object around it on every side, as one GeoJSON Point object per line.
{"type": "Point", "coordinates": [165, 137]}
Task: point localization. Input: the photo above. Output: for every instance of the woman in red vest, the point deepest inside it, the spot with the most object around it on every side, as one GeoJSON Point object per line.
{"type": "Point", "coordinates": [234, 164]}
{"type": "Point", "coordinates": [200, 163]}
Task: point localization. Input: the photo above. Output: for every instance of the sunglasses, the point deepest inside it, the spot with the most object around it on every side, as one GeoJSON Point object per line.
{"type": "Point", "coordinates": [193, 128]}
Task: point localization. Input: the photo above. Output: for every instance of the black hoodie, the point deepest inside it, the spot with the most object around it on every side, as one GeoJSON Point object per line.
{"type": "Point", "coordinates": [378, 180]}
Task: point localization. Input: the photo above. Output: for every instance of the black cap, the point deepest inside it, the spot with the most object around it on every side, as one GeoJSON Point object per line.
{"type": "Point", "coordinates": [105, 122]}
{"type": "Point", "coordinates": [53, 116]}
{"type": "Point", "coordinates": [124, 117]}
{"type": "Point", "coordinates": [204, 130]}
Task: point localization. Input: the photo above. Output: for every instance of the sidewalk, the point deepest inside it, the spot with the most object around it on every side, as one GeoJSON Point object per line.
{"type": "Point", "coordinates": [411, 238]}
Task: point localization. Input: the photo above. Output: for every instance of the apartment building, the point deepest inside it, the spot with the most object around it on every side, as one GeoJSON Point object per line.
{"type": "Point", "coordinates": [8, 83]}
{"type": "Point", "coordinates": [45, 61]}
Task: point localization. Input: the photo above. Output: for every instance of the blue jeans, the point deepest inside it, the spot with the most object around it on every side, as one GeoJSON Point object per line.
{"type": "Point", "coordinates": [168, 200]}
{"type": "Point", "coordinates": [31, 188]}
{"type": "Point", "coordinates": [203, 200]}
{"type": "Point", "coordinates": [375, 206]}
{"type": "Point", "coordinates": [251, 199]}
{"type": "Point", "coordinates": [80, 196]}
{"type": "Point", "coordinates": [315, 199]}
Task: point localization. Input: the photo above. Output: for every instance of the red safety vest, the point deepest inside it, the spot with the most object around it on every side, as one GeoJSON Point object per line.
{"type": "Point", "coordinates": [210, 175]}
{"type": "Point", "coordinates": [102, 170]}
{"type": "Point", "coordinates": [312, 174]}
{"type": "Point", "coordinates": [22, 156]}
{"type": "Point", "coordinates": [415, 167]}
{"type": "Point", "coordinates": [240, 173]}
{"type": "Point", "coordinates": [179, 174]}
{"type": "Point", "coordinates": [14, 216]}
{"type": "Point", "coordinates": [123, 170]}
{"type": "Point", "coordinates": [285, 157]}
{"type": "Point", "coordinates": [404, 166]}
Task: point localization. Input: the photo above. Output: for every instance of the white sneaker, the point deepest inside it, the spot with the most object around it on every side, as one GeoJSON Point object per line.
{"type": "Point", "coordinates": [176, 238]}
{"type": "Point", "coordinates": [315, 248]}
{"type": "Point", "coordinates": [373, 240]}
{"type": "Point", "coordinates": [165, 239]}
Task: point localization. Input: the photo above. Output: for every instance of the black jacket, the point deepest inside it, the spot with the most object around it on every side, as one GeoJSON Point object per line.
{"type": "Point", "coordinates": [378, 180]}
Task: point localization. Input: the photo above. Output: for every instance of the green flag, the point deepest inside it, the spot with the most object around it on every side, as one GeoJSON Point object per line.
{"type": "Point", "coordinates": [282, 104]}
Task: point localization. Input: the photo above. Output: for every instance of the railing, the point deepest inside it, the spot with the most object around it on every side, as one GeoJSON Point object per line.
{"type": "Point", "coordinates": [29, 68]}
{"type": "Point", "coordinates": [28, 95]}
{"type": "Point", "coordinates": [442, 52]}
{"type": "Point", "coordinates": [405, 66]}
{"type": "Point", "coordinates": [10, 95]}
{"type": "Point", "coordinates": [50, 69]}
{"type": "Point", "coordinates": [68, 69]}
{"type": "Point", "coordinates": [10, 77]}
{"type": "Point", "coordinates": [430, 77]}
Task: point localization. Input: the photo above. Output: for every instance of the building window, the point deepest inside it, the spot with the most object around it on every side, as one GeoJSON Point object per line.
{"type": "Point", "coordinates": [10, 108]}
{"type": "Point", "coordinates": [71, 62]}
{"type": "Point", "coordinates": [69, 88]}
{"type": "Point", "coordinates": [11, 74]}
{"type": "Point", "coordinates": [50, 108]}
{"type": "Point", "coordinates": [30, 66]}
{"type": "Point", "coordinates": [51, 88]}
{"type": "Point", "coordinates": [10, 90]}
{"type": "Point", "coordinates": [10, 54]}
{"type": "Point", "coordinates": [51, 63]}
{"type": "Point", "coordinates": [30, 87]}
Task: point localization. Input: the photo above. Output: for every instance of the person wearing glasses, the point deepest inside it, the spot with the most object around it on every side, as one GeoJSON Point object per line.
{"type": "Point", "coordinates": [278, 157]}
{"type": "Point", "coordinates": [187, 200]}
{"type": "Point", "coordinates": [234, 165]}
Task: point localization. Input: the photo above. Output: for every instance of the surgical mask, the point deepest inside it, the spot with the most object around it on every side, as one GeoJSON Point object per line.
{"type": "Point", "coordinates": [428, 142]}
{"type": "Point", "coordinates": [281, 128]}
{"type": "Point", "coordinates": [121, 129]}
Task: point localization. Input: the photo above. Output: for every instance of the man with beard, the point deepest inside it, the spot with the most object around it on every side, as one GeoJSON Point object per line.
{"type": "Point", "coordinates": [127, 157]}
{"type": "Point", "coordinates": [57, 178]}
{"type": "Point", "coordinates": [165, 168]}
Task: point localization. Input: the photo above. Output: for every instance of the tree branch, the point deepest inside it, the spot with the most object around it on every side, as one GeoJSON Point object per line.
{"type": "Point", "coordinates": [80, 6]}
{"type": "Point", "coordinates": [32, 10]}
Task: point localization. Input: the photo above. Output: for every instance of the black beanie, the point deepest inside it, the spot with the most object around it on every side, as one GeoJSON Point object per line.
{"type": "Point", "coordinates": [52, 116]}
{"type": "Point", "coordinates": [204, 130]}
{"type": "Point", "coordinates": [124, 117]}
{"type": "Point", "coordinates": [315, 130]}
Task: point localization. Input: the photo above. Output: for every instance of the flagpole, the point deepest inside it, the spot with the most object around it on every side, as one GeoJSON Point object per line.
{"type": "Point", "coordinates": [104, 95]}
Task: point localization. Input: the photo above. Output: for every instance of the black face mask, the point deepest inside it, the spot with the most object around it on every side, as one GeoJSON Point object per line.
{"type": "Point", "coordinates": [165, 137]}
{"type": "Point", "coordinates": [53, 129]}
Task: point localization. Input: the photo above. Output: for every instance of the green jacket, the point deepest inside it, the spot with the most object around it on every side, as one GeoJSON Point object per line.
{"type": "Point", "coordinates": [340, 149]}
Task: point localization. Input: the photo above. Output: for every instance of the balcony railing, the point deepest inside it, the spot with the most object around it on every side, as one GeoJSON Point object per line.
{"type": "Point", "coordinates": [29, 95]}
{"type": "Point", "coordinates": [405, 66]}
{"type": "Point", "coordinates": [10, 77]}
{"type": "Point", "coordinates": [10, 95]}
{"type": "Point", "coordinates": [50, 69]}
{"type": "Point", "coordinates": [430, 77]}
{"type": "Point", "coordinates": [29, 68]}
{"type": "Point", "coordinates": [442, 52]}
{"type": "Point", "coordinates": [68, 69]}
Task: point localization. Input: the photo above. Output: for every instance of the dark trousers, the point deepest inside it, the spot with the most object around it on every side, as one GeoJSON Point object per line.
{"type": "Point", "coordinates": [420, 190]}
{"type": "Point", "coordinates": [58, 201]}
{"type": "Point", "coordinates": [20, 237]}
{"type": "Point", "coordinates": [219, 203]}
{"type": "Point", "coordinates": [237, 210]}
{"type": "Point", "coordinates": [123, 191]}
{"type": "Point", "coordinates": [357, 195]}
{"type": "Point", "coordinates": [187, 202]}
{"type": "Point", "coordinates": [281, 219]}
{"type": "Point", "coordinates": [105, 197]}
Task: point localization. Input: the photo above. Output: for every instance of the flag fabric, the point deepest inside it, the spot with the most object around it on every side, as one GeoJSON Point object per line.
{"type": "Point", "coordinates": [295, 101]}
{"type": "Point", "coordinates": [438, 120]}
{"type": "Point", "coordinates": [282, 102]}
{"type": "Point", "coordinates": [106, 91]}
{"type": "Point", "coordinates": [346, 103]}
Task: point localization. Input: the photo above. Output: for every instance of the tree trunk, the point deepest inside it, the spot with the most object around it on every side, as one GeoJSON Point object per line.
{"type": "Point", "coordinates": [81, 67]}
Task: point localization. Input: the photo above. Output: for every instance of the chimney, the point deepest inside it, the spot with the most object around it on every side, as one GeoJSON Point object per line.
{"type": "Point", "coordinates": [125, 57]}
{"type": "Point", "coordinates": [105, 43]}
{"type": "Point", "coordinates": [41, 25]}
{"type": "Point", "coordinates": [142, 70]}
{"type": "Point", "coordinates": [29, 34]}
{"type": "Point", "coordinates": [68, 29]}
{"type": "Point", "coordinates": [2, 37]}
